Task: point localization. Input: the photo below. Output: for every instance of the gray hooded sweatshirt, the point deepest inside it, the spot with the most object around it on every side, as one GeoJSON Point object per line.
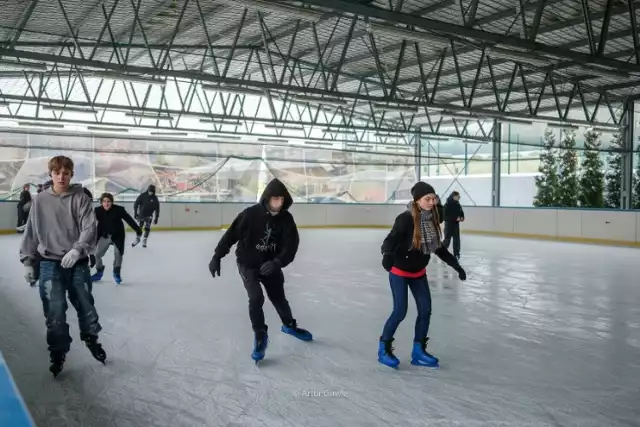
{"type": "Point", "coordinates": [58, 223]}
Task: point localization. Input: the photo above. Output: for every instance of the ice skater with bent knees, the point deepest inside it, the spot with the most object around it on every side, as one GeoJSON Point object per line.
{"type": "Point", "coordinates": [144, 208]}
{"type": "Point", "coordinates": [405, 254]}
{"type": "Point", "coordinates": [111, 233]}
{"type": "Point", "coordinates": [59, 237]}
{"type": "Point", "coordinates": [268, 240]}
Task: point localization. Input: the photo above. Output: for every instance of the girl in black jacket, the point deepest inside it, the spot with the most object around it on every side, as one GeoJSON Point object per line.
{"type": "Point", "coordinates": [406, 252]}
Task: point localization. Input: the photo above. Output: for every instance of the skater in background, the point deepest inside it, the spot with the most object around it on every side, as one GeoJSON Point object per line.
{"type": "Point", "coordinates": [111, 232]}
{"type": "Point", "coordinates": [405, 254]}
{"type": "Point", "coordinates": [144, 208]}
{"type": "Point", "coordinates": [453, 216]}
{"type": "Point", "coordinates": [439, 209]}
{"type": "Point", "coordinates": [24, 204]}
{"type": "Point", "coordinates": [268, 241]}
{"type": "Point", "coordinates": [60, 234]}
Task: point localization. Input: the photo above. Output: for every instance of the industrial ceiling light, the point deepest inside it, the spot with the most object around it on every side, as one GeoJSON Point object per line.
{"type": "Point", "coordinates": [41, 124]}
{"type": "Point", "coordinates": [284, 127]}
{"type": "Point", "coordinates": [396, 107]}
{"type": "Point", "coordinates": [107, 129]}
{"type": "Point", "coordinates": [518, 56]}
{"type": "Point", "coordinates": [23, 66]}
{"type": "Point", "coordinates": [325, 144]}
{"type": "Point", "coordinates": [556, 125]}
{"type": "Point", "coordinates": [126, 77]}
{"type": "Point", "coordinates": [170, 133]}
{"type": "Point", "coordinates": [215, 121]}
{"type": "Point", "coordinates": [320, 100]}
{"type": "Point", "coordinates": [153, 116]}
{"type": "Point", "coordinates": [411, 35]}
{"type": "Point", "coordinates": [475, 141]}
{"type": "Point", "coordinates": [71, 109]}
{"type": "Point", "coordinates": [232, 90]}
{"type": "Point", "coordinates": [222, 135]}
{"type": "Point", "coordinates": [343, 130]}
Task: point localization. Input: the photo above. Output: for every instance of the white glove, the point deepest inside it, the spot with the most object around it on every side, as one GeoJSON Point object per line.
{"type": "Point", "coordinates": [29, 273]}
{"type": "Point", "coordinates": [70, 259]}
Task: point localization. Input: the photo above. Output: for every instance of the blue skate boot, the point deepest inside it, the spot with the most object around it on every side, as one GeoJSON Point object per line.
{"type": "Point", "coordinates": [260, 346]}
{"type": "Point", "coordinates": [420, 357]}
{"type": "Point", "coordinates": [292, 329]}
{"type": "Point", "coordinates": [98, 276]}
{"type": "Point", "coordinates": [385, 354]}
{"type": "Point", "coordinates": [116, 275]}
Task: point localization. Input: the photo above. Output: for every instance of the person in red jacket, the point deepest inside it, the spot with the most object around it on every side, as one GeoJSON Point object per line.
{"type": "Point", "coordinates": [406, 251]}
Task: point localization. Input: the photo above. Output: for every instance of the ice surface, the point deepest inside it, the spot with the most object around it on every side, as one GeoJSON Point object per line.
{"type": "Point", "coordinates": [541, 334]}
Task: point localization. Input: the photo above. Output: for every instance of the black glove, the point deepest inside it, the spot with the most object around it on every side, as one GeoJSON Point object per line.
{"type": "Point", "coordinates": [214, 266]}
{"type": "Point", "coordinates": [462, 274]}
{"type": "Point", "coordinates": [267, 268]}
{"type": "Point", "coordinates": [155, 221]}
{"type": "Point", "coordinates": [387, 261]}
{"type": "Point", "coordinates": [92, 261]}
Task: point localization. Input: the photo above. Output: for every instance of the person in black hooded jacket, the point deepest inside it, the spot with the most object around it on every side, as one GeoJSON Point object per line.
{"type": "Point", "coordinates": [268, 240]}
{"type": "Point", "coordinates": [406, 251]}
{"type": "Point", "coordinates": [453, 216]}
{"type": "Point", "coordinates": [144, 208]}
{"type": "Point", "coordinates": [111, 232]}
{"type": "Point", "coordinates": [24, 205]}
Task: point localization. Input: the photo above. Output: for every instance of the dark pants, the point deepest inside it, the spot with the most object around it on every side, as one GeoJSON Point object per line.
{"type": "Point", "coordinates": [22, 216]}
{"type": "Point", "coordinates": [452, 231]}
{"type": "Point", "coordinates": [55, 282]}
{"type": "Point", "coordinates": [274, 286]}
{"type": "Point", "coordinates": [145, 222]}
{"type": "Point", "coordinates": [400, 290]}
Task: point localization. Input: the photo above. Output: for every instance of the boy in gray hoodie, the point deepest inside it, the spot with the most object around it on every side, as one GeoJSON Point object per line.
{"type": "Point", "coordinates": [59, 237]}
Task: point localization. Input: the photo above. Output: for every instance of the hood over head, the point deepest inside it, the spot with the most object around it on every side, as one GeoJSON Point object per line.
{"type": "Point", "coordinates": [151, 189]}
{"type": "Point", "coordinates": [276, 188]}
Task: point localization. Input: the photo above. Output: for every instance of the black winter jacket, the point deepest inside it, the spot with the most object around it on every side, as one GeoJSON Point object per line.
{"type": "Point", "coordinates": [25, 197]}
{"type": "Point", "coordinates": [146, 205]}
{"type": "Point", "coordinates": [260, 235]}
{"type": "Point", "coordinates": [110, 224]}
{"type": "Point", "coordinates": [398, 244]}
{"type": "Point", "coordinates": [453, 210]}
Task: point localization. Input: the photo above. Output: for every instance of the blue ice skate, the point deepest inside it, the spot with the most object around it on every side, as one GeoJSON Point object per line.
{"type": "Point", "coordinates": [420, 357]}
{"type": "Point", "coordinates": [260, 347]}
{"type": "Point", "coordinates": [117, 278]}
{"type": "Point", "coordinates": [385, 354]}
{"type": "Point", "coordinates": [301, 334]}
{"type": "Point", "coordinates": [98, 275]}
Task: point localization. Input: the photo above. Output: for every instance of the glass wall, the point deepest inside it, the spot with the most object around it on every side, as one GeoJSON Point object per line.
{"type": "Point", "coordinates": [202, 170]}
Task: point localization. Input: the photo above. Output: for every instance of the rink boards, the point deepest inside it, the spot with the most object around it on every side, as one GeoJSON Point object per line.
{"type": "Point", "coordinates": [13, 411]}
{"type": "Point", "coordinates": [575, 225]}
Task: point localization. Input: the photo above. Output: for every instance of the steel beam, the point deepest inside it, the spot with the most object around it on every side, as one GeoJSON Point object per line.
{"type": "Point", "coordinates": [496, 164]}
{"type": "Point", "coordinates": [628, 139]}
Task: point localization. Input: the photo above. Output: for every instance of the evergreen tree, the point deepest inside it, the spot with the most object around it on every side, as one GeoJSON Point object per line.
{"type": "Point", "coordinates": [567, 194]}
{"type": "Point", "coordinates": [591, 193]}
{"type": "Point", "coordinates": [613, 176]}
{"type": "Point", "coordinates": [547, 182]}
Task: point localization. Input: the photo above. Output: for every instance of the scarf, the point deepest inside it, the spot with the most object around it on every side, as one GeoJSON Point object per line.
{"type": "Point", "coordinates": [428, 234]}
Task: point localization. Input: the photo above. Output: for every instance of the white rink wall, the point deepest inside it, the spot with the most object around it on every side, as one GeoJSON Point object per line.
{"type": "Point", "coordinates": [587, 226]}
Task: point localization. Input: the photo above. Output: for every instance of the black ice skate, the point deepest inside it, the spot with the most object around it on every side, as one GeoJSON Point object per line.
{"type": "Point", "coordinates": [57, 360]}
{"type": "Point", "coordinates": [96, 349]}
{"type": "Point", "coordinates": [144, 242]}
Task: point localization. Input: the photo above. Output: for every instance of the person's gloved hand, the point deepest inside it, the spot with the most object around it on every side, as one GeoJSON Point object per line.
{"type": "Point", "coordinates": [155, 221]}
{"type": "Point", "coordinates": [462, 274]}
{"type": "Point", "coordinates": [92, 261]}
{"type": "Point", "coordinates": [214, 266]}
{"type": "Point", "coordinates": [269, 267]}
{"type": "Point", "coordinates": [387, 261]}
{"type": "Point", "coordinates": [70, 259]}
{"type": "Point", "coordinates": [29, 273]}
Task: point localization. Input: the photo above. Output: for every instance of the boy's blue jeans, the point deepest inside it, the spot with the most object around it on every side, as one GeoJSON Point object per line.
{"type": "Point", "coordinates": [55, 282]}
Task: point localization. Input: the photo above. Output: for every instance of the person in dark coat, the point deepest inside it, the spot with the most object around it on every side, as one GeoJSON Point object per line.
{"type": "Point", "coordinates": [453, 216]}
{"type": "Point", "coordinates": [111, 232]}
{"type": "Point", "coordinates": [24, 205]}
